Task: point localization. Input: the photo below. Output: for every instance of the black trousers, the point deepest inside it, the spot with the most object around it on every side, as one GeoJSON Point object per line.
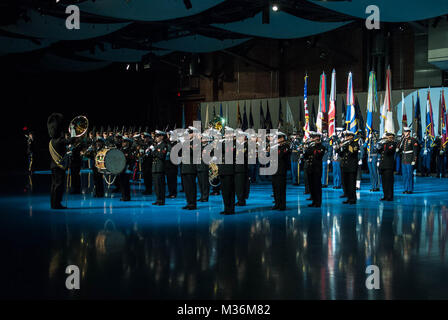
{"type": "Point", "coordinates": [315, 183]}
{"type": "Point", "coordinates": [306, 180]}
{"type": "Point", "coordinates": [98, 183]}
{"type": "Point", "coordinates": [279, 188]}
{"type": "Point", "coordinates": [241, 186]}
{"type": "Point", "coordinates": [57, 187]}
{"type": "Point", "coordinates": [349, 182]}
{"type": "Point", "coordinates": [75, 177]}
{"type": "Point", "coordinates": [387, 179]}
{"type": "Point", "coordinates": [204, 184]}
{"type": "Point", "coordinates": [125, 185]}
{"type": "Point", "coordinates": [190, 188]}
{"type": "Point", "coordinates": [228, 192]}
{"type": "Point", "coordinates": [159, 186]}
{"type": "Point", "coordinates": [147, 177]}
{"type": "Point", "coordinates": [171, 180]}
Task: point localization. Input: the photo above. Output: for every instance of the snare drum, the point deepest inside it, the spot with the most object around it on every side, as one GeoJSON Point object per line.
{"type": "Point", "coordinates": [110, 161]}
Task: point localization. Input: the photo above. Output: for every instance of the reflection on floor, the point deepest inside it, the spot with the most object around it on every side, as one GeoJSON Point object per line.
{"type": "Point", "coordinates": [135, 250]}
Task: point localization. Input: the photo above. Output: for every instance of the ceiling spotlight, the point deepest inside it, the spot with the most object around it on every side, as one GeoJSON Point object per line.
{"type": "Point", "coordinates": [275, 7]}
{"type": "Point", "coordinates": [188, 4]}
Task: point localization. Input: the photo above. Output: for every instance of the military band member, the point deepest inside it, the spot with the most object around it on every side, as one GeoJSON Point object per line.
{"type": "Point", "coordinates": [313, 155]}
{"type": "Point", "coordinates": [57, 147]}
{"type": "Point", "coordinates": [125, 176]}
{"type": "Point", "coordinates": [226, 173]}
{"type": "Point", "coordinates": [361, 152]}
{"type": "Point", "coordinates": [202, 169]}
{"type": "Point", "coordinates": [279, 177]}
{"type": "Point", "coordinates": [171, 170]}
{"type": "Point", "coordinates": [372, 160]}
{"type": "Point", "coordinates": [158, 152]}
{"type": "Point", "coordinates": [241, 169]}
{"type": "Point", "coordinates": [30, 151]}
{"type": "Point", "coordinates": [408, 149]}
{"type": "Point", "coordinates": [92, 151]}
{"type": "Point", "coordinates": [146, 158]}
{"type": "Point", "coordinates": [189, 172]}
{"type": "Point", "coordinates": [348, 151]}
{"type": "Point", "coordinates": [386, 151]}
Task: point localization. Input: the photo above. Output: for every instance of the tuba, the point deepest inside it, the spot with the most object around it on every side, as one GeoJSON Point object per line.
{"type": "Point", "coordinates": [213, 176]}
{"type": "Point", "coordinates": [78, 126]}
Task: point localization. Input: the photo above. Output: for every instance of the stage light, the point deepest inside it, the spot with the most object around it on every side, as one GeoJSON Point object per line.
{"type": "Point", "coordinates": [275, 7]}
{"type": "Point", "coordinates": [188, 4]}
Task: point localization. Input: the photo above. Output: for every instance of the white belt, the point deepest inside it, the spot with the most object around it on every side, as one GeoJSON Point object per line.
{"type": "Point", "coordinates": [411, 151]}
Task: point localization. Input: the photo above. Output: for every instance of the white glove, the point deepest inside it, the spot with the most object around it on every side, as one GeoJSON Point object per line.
{"type": "Point", "coordinates": [151, 148]}
{"type": "Point", "coordinates": [360, 162]}
{"type": "Point", "coordinates": [397, 150]}
{"type": "Point", "coordinates": [441, 152]}
{"type": "Point", "coordinates": [72, 132]}
{"type": "Point", "coordinates": [425, 152]}
{"type": "Point", "coordinates": [214, 159]}
{"type": "Point", "coordinates": [377, 164]}
{"type": "Point", "coordinates": [328, 161]}
{"type": "Point", "coordinates": [413, 163]}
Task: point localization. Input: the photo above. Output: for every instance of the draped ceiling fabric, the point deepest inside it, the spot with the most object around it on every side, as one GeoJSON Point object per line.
{"type": "Point", "coordinates": [198, 43]}
{"type": "Point", "coordinates": [45, 26]}
{"type": "Point", "coordinates": [16, 45]}
{"type": "Point", "coordinates": [58, 63]}
{"type": "Point", "coordinates": [390, 10]}
{"type": "Point", "coordinates": [114, 54]}
{"type": "Point", "coordinates": [146, 10]}
{"type": "Point", "coordinates": [282, 26]}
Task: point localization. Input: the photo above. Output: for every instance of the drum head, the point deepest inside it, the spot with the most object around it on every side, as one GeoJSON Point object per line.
{"type": "Point", "coordinates": [115, 161]}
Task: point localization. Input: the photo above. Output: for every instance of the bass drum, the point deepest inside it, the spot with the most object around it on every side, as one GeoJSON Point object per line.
{"type": "Point", "coordinates": [110, 161]}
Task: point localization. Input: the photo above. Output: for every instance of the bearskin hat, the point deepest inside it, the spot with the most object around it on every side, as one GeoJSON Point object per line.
{"type": "Point", "coordinates": [55, 125]}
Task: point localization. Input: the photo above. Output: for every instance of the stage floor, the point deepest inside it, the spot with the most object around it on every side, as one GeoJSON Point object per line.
{"type": "Point", "coordinates": [136, 250]}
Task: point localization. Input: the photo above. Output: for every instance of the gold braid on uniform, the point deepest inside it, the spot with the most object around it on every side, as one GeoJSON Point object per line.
{"type": "Point", "coordinates": [55, 155]}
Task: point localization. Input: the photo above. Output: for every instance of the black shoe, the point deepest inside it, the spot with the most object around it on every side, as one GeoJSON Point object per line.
{"type": "Point", "coordinates": [405, 192]}
{"type": "Point", "coordinates": [282, 209]}
{"type": "Point", "coordinates": [295, 184]}
{"type": "Point", "coordinates": [343, 196]}
{"type": "Point", "coordinates": [146, 193]}
{"type": "Point", "coordinates": [191, 208]}
{"type": "Point", "coordinates": [172, 196]}
{"type": "Point", "coordinates": [383, 199]}
{"type": "Point", "coordinates": [156, 203]}
{"type": "Point", "coordinates": [240, 204]}
{"type": "Point", "coordinates": [311, 205]}
{"type": "Point", "coordinates": [227, 213]}
{"type": "Point", "coordinates": [215, 193]}
{"type": "Point", "coordinates": [376, 190]}
{"type": "Point", "coordinates": [185, 208]}
{"type": "Point", "coordinates": [410, 192]}
{"type": "Point", "coordinates": [389, 199]}
{"type": "Point", "coordinates": [352, 202]}
{"type": "Point", "coordinates": [309, 199]}
{"type": "Point", "coordinates": [125, 199]}
{"type": "Point", "coordinates": [203, 200]}
{"type": "Point", "coordinates": [346, 202]}
{"type": "Point", "coordinates": [325, 186]}
{"type": "Point", "coordinates": [275, 207]}
{"type": "Point", "coordinates": [306, 193]}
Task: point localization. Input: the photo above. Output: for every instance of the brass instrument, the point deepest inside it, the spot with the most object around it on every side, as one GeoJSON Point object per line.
{"type": "Point", "coordinates": [213, 174]}
{"type": "Point", "coordinates": [217, 123]}
{"type": "Point", "coordinates": [78, 126]}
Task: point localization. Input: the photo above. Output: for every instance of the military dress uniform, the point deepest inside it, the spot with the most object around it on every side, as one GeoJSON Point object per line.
{"type": "Point", "coordinates": [314, 155]}
{"type": "Point", "coordinates": [349, 168]}
{"type": "Point", "coordinates": [326, 161]}
{"type": "Point", "coordinates": [386, 166]}
{"type": "Point", "coordinates": [57, 148]}
{"type": "Point", "coordinates": [241, 176]}
{"type": "Point", "coordinates": [426, 152]}
{"type": "Point", "coordinates": [226, 172]}
{"type": "Point", "coordinates": [171, 173]}
{"type": "Point", "coordinates": [159, 153]}
{"type": "Point", "coordinates": [295, 158]}
{"type": "Point", "coordinates": [125, 175]}
{"type": "Point", "coordinates": [336, 164]}
{"type": "Point", "coordinates": [372, 162]}
{"type": "Point", "coordinates": [408, 149]}
{"type": "Point", "coordinates": [189, 172]}
{"type": "Point", "coordinates": [147, 160]}
{"type": "Point", "coordinates": [279, 177]}
{"type": "Point", "coordinates": [204, 184]}
{"type": "Point", "coordinates": [439, 150]}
